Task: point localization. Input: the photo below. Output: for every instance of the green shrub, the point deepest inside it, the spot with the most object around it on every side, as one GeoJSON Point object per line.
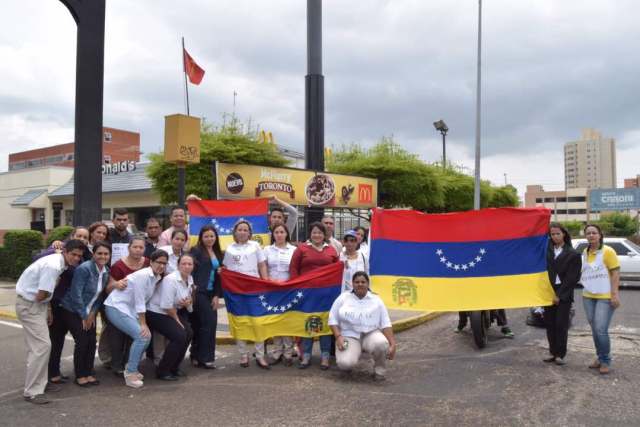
{"type": "Point", "coordinates": [59, 233]}
{"type": "Point", "coordinates": [19, 247]}
{"type": "Point", "coordinates": [5, 264]}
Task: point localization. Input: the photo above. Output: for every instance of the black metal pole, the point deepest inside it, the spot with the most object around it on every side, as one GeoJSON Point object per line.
{"type": "Point", "coordinates": [87, 176]}
{"type": "Point", "coordinates": [314, 100]}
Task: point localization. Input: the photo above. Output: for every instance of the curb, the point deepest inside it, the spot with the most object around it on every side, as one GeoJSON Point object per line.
{"type": "Point", "coordinates": [226, 339]}
{"type": "Point", "coordinates": [8, 315]}
{"type": "Point", "coordinates": [412, 322]}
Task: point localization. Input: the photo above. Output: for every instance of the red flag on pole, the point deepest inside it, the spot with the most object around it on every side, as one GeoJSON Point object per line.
{"type": "Point", "coordinates": [192, 69]}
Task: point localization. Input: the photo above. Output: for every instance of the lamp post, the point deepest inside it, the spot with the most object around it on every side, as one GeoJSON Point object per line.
{"type": "Point", "coordinates": [441, 127]}
{"type": "Point", "coordinates": [476, 190]}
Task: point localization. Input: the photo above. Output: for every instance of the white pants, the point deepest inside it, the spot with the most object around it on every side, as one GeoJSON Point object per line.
{"type": "Point", "coordinates": [244, 351]}
{"type": "Point", "coordinates": [374, 343]}
{"type": "Point", "coordinates": [282, 346]}
{"type": "Point", "coordinates": [33, 316]}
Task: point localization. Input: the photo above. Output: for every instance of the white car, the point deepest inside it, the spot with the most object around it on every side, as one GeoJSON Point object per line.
{"type": "Point", "coordinates": [627, 251]}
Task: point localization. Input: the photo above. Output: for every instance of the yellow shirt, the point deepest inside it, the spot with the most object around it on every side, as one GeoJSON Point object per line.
{"type": "Point", "coordinates": [610, 260]}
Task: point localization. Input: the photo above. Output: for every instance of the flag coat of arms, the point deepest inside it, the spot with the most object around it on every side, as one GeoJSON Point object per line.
{"type": "Point", "coordinates": [223, 215]}
{"type": "Point", "coordinates": [464, 261]}
{"type": "Point", "coordinates": [259, 309]}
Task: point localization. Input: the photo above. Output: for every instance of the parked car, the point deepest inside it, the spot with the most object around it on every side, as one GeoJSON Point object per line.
{"type": "Point", "coordinates": [627, 251]}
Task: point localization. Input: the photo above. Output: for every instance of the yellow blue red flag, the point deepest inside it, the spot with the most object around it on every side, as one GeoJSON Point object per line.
{"type": "Point", "coordinates": [463, 261]}
{"type": "Point", "coordinates": [259, 309]}
{"type": "Point", "coordinates": [223, 214]}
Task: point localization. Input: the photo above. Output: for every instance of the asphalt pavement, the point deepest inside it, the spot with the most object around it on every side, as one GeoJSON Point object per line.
{"type": "Point", "coordinates": [438, 378]}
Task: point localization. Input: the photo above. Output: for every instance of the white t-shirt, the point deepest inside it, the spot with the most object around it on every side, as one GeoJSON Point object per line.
{"type": "Point", "coordinates": [42, 275]}
{"type": "Point", "coordinates": [101, 274]}
{"type": "Point", "coordinates": [170, 292]}
{"type": "Point", "coordinates": [361, 263]}
{"type": "Point", "coordinates": [244, 258]}
{"type": "Point", "coordinates": [278, 260]}
{"type": "Point", "coordinates": [133, 299]}
{"type": "Point", "coordinates": [355, 316]}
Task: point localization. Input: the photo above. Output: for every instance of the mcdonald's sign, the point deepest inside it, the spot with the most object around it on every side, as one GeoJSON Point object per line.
{"type": "Point", "coordinates": [365, 193]}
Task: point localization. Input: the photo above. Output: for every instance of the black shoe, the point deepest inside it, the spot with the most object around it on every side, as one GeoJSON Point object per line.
{"type": "Point", "coordinates": [38, 399]}
{"type": "Point", "coordinates": [550, 359]}
{"type": "Point", "coordinates": [94, 382]}
{"type": "Point", "coordinates": [52, 388]}
{"type": "Point", "coordinates": [61, 380]}
{"type": "Point", "coordinates": [168, 377]}
{"type": "Point", "coordinates": [207, 365]}
{"type": "Point", "coordinates": [179, 373]}
{"type": "Point", "coordinates": [87, 384]}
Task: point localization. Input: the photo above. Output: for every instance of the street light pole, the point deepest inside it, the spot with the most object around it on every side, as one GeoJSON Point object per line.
{"type": "Point", "coordinates": [476, 192]}
{"type": "Point", "coordinates": [442, 127]}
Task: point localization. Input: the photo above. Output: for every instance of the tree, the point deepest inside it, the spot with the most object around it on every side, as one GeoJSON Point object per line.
{"type": "Point", "coordinates": [573, 227]}
{"type": "Point", "coordinates": [618, 224]}
{"type": "Point", "coordinates": [232, 142]}
{"type": "Point", "coordinates": [504, 196]}
{"type": "Point", "coordinates": [403, 180]}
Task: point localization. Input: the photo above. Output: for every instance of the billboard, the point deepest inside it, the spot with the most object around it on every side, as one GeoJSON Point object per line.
{"type": "Point", "coordinates": [614, 199]}
{"type": "Point", "coordinates": [296, 186]}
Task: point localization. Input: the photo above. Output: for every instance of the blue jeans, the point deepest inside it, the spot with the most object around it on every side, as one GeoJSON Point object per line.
{"type": "Point", "coordinates": [599, 313]}
{"type": "Point", "coordinates": [131, 327]}
{"type": "Point", "coordinates": [325, 346]}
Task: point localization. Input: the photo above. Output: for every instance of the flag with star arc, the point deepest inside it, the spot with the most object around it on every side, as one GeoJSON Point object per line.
{"type": "Point", "coordinates": [462, 261]}
{"type": "Point", "coordinates": [224, 214]}
{"type": "Point", "coordinates": [259, 309]}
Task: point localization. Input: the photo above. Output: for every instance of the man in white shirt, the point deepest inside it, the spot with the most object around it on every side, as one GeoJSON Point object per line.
{"type": "Point", "coordinates": [178, 222]}
{"type": "Point", "coordinates": [330, 224]}
{"type": "Point", "coordinates": [33, 291]}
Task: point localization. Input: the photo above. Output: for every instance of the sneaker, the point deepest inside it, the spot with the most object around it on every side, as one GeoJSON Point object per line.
{"type": "Point", "coordinates": [38, 399]}
{"type": "Point", "coordinates": [133, 380]}
{"type": "Point", "coordinates": [507, 332]}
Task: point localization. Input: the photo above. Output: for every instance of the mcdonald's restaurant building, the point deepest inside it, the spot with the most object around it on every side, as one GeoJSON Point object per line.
{"type": "Point", "coordinates": [42, 198]}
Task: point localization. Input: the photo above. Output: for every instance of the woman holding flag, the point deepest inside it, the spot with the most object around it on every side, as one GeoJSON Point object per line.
{"type": "Point", "coordinates": [245, 256]}
{"type": "Point", "coordinates": [207, 258]}
{"type": "Point", "coordinates": [601, 279]}
{"type": "Point", "coordinates": [278, 258]}
{"type": "Point", "coordinates": [316, 252]}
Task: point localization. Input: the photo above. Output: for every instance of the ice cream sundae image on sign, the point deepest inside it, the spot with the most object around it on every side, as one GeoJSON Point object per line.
{"type": "Point", "coordinates": [321, 190]}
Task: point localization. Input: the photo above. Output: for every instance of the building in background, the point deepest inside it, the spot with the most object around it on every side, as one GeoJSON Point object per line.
{"type": "Point", "coordinates": [632, 182]}
{"type": "Point", "coordinates": [117, 146]}
{"type": "Point", "coordinates": [568, 205]}
{"type": "Point", "coordinates": [590, 162]}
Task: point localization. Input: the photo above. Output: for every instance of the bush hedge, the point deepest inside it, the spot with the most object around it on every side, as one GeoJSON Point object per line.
{"type": "Point", "coordinates": [59, 233]}
{"type": "Point", "coordinates": [18, 251]}
{"type": "Point", "coordinates": [5, 264]}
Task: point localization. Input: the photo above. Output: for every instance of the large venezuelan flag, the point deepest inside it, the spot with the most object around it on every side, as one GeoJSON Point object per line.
{"type": "Point", "coordinates": [223, 214]}
{"type": "Point", "coordinates": [259, 309]}
{"type": "Point", "coordinates": [475, 260]}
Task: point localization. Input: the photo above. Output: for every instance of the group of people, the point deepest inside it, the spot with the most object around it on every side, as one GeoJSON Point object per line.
{"type": "Point", "coordinates": [162, 298]}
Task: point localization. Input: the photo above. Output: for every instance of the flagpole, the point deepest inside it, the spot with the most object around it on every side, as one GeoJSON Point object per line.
{"type": "Point", "coordinates": [184, 69]}
{"type": "Point", "coordinates": [181, 166]}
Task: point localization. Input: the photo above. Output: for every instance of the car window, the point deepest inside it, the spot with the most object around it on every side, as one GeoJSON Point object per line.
{"type": "Point", "coordinates": [633, 245]}
{"type": "Point", "coordinates": [619, 248]}
{"type": "Point", "coordinates": [581, 247]}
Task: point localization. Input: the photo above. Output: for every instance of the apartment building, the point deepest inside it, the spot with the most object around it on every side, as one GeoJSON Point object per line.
{"type": "Point", "coordinates": [590, 162]}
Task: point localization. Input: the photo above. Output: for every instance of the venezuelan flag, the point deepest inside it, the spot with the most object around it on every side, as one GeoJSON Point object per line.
{"type": "Point", "coordinates": [260, 309]}
{"type": "Point", "coordinates": [475, 260]}
{"type": "Point", "coordinates": [223, 214]}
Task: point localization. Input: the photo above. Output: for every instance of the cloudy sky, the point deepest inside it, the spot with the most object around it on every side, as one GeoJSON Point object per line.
{"type": "Point", "coordinates": [550, 68]}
